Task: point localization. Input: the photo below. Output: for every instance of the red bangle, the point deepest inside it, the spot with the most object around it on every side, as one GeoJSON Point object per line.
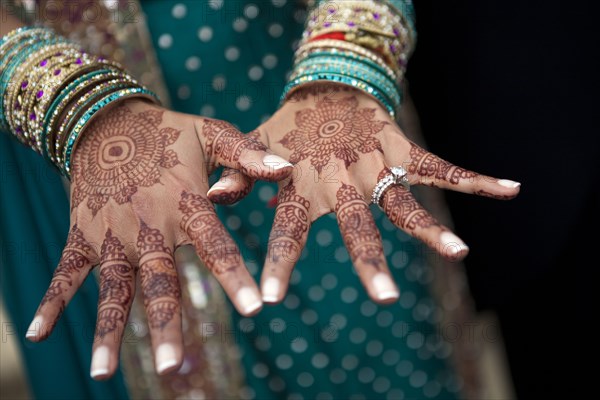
{"type": "Point", "coordinates": [330, 35]}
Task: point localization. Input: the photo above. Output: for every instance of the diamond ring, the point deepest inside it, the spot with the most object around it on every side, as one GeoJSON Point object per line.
{"type": "Point", "coordinates": [397, 177]}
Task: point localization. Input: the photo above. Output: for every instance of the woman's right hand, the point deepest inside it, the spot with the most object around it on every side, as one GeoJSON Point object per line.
{"type": "Point", "coordinates": [139, 190]}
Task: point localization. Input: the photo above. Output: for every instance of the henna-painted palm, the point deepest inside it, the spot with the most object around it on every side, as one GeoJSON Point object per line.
{"type": "Point", "coordinates": [342, 142]}
{"type": "Point", "coordinates": [139, 190]}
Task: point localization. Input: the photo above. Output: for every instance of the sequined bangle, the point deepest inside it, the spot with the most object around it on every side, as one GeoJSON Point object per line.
{"type": "Point", "coordinates": [72, 91]}
{"type": "Point", "coordinates": [53, 82]}
{"type": "Point", "coordinates": [334, 55]}
{"type": "Point", "coordinates": [357, 71]}
{"type": "Point", "coordinates": [89, 115]}
{"type": "Point", "coordinates": [11, 62]}
{"type": "Point", "coordinates": [50, 90]}
{"type": "Point", "coordinates": [19, 84]}
{"type": "Point", "coordinates": [342, 79]}
{"type": "Point", "coordinates": [78, 108]}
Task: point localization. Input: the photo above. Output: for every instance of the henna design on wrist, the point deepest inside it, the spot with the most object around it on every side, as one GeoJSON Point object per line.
{"type": "Point", "coordinates": [73, 262]}
{"type": "Point", "coordinates": [428, 165]}
{"type": "Point", "coordinates": [333, 128]}
{"type": "Point", "coordinates": [223, 141]}
{"type": "Point", "coordinates": [321, 90]}
{"type": "Point", "coordinates": [214, 245]}
{"type": "Point", "coordinates": [116, 286]}
{"type": "Point", "coordinates": [357, 226]}
{"type": "Point", "coordinates": [120, 153]}
{"type": "Point", "coordinates": [290, 225]}
{"type": "Point", "coordinates": [160, 284]}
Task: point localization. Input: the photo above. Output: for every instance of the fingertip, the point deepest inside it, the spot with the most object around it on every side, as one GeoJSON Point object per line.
{"type": "Point", "coordinates": [101, 364]}
{"type": "Point", "coordinates": [385, 289]}
{"type": "Point", "coordinates": [271, 290]}
{"type": "Point", "coordinates": [509, 184]}
{"type": "Point", "coordinates": [166, 359]}
{"type": "Point", "coordinates": [248, 301]}
{"type": "Point", "coordinates": [34, 332]}
{"type": "Point", "coordinates": [453, 248]}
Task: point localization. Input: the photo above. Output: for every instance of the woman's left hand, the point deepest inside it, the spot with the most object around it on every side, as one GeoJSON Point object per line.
{"type": "Point", "coordinates": [342, 143]}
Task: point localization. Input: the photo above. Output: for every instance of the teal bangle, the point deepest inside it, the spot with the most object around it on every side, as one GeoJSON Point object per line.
{"type": "Point", "coordinates": [15, 58]}
{"type": "Point", "coordinates": [79, 108]}
{"type": "Point", "coordinates": [353, 70]}
{"type": "Point", "coordinates": [388, 90]}
{"type": "Point", "coordinates": [335, 53]}
{"type": "Point", "coordinates": [93, 110]}
{"type": "Point", "coordinates": [343, 79]}
{"type": "Point", "coordinates": [65, 95]}
{"type": "Point", "coordinates": [359, 68]}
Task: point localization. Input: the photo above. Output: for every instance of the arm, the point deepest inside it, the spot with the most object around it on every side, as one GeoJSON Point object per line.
{"type": "Point", "coordinates": [341, 101]}
{"type": "Point", "coordinates": [139, 180]}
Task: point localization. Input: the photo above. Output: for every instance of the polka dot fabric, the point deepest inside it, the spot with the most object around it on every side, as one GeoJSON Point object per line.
{"type": "Point", "coordinates": [327, 340]}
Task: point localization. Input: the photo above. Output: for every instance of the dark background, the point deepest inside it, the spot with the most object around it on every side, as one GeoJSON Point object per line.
{"type": "Point", "coordinates": [510, 89]}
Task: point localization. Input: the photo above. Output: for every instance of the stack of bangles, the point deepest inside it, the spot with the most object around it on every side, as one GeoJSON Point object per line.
{"type": "Point", "coordinates": [357, 43]}
{"type": "Point", "coordinates": [50, 90]}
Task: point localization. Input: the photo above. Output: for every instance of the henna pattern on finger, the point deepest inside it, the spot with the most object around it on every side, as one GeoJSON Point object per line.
{"type": "Point", "coordinates": [160, 284]}
{"type": "Point", "coordinates": [214, 245]}
{"type": "Point", "coordinates": [485, 193]}
{"type": "Point", "coordinates": [224, 141]}
{"type": "Point", "coordinates": [405, 212]}
{"type": "Point", "coordinates": [126, 151]}
{"type": "Point", "coordinates": [74, 261]}
{"type": "Point", "coordinates": [116, 286]}
{"type": "Point", "coordinates": [227, 196]}
{"type": "Point", "coordinates": [358, 228]}
{"type": "Point", "coordinates": [428, 165]}
{"type": "Point", "coordinates": [290, 225]}
{"type": "Point", "coordinates": [333, 128]}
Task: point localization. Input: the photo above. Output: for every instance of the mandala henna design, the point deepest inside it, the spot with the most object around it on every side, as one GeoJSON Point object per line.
{"type": "Point", "coordinates": [160, 284]}
{"type": "Point", "coordinates": [74, 260]}
{"type": "Point", "coordinates": [290, 225]}
{"type": "Point", "coordinates": [428, 165]}
{"type": "Point", "coordinates": [337, 128]}
{"type": "Point", "coordinates": [214, 245]}
{"type": "Point", "coordinates": [116, 290]}
{"type": "Point", "coordinates": [358, 228]}
{"type": "Point", "coordinates": [122, 154]}
{"type": "Point", "coordinates": [223, 141]}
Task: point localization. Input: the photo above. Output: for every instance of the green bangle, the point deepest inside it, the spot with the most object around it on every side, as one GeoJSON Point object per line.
{"type": "Point", "coordinates": [91, 112]}
{"type": "Point", "coordinates": [343, 79]}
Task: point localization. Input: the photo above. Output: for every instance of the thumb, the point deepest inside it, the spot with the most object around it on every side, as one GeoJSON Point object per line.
{"type": "Point", "coordinates": [230, 148]}
{"type": "Point", "coordinates": [230, 188]}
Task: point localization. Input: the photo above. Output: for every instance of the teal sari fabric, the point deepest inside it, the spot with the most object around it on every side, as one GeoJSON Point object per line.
{"type": "Point", "coordinates": [34, 215]}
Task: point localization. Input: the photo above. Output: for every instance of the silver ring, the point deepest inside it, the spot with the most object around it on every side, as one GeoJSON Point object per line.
{"type": "Point", "coordinates": [398, 176]}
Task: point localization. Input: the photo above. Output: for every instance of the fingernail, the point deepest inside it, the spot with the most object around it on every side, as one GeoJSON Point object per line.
{"type": "Point", "coordinates": [35, 328]}
{"type": "Point", "coordinates": [217, 186]}
{"type": "Point", "coordinates": [248, 300]}
{"type": "Point", "coordinates": [165, 357]}
{"type": "Point", "coordinates": [270, 290]}
{"type": "Point", "coordinates": [508, 183]}
{"type": "Point", "coordinates": [385, 287]}
{"type": "Point", "coordinates": [100, 362]}
{"type": "Point", "coordinates": [276, 162]}
{"type": "Point", "coordinates": [452, 243]}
